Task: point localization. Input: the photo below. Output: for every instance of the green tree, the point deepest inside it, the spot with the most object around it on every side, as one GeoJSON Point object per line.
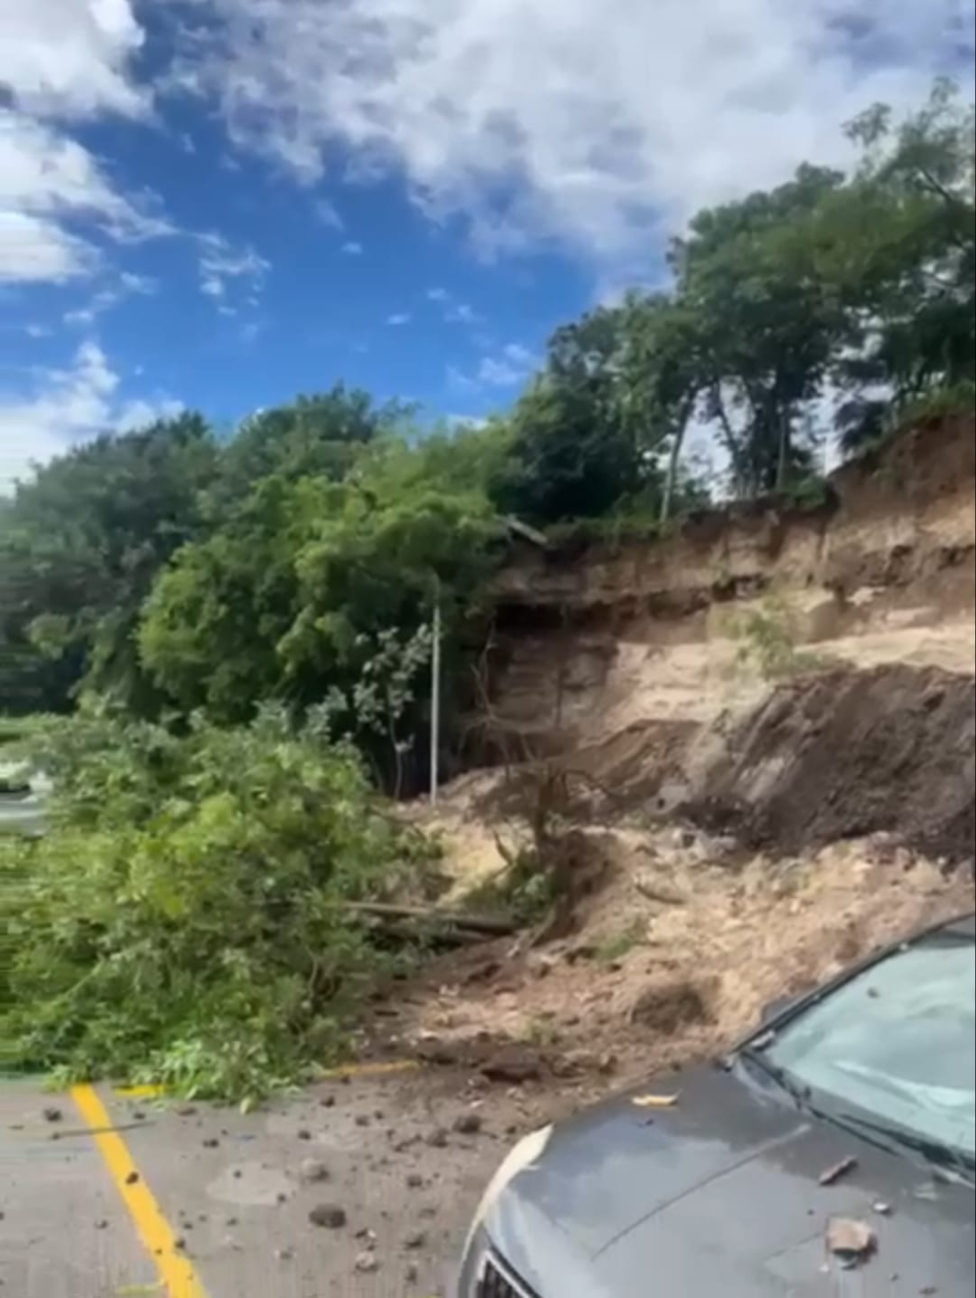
{"type": "Point", "coordinates": [897, 243]}
{"type": "Point", "coordinates": [319, 436]}
{"type": "Point", "coordinates": [663, 373]}
{"type": "Point", "coordinates": [768, 329]}
{"type": "Point", "coordinates": [291, 599]}
{"type": "Point", "coordinates": [80, 546]}
{"type": "Point", "coordinates": [573, 453]}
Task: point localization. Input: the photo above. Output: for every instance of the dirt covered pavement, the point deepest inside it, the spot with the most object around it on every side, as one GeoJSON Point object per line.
{"type": "Point", "coordinates": [363, 1189]}
{"type": "Point", "coordinates": [366, 1186]}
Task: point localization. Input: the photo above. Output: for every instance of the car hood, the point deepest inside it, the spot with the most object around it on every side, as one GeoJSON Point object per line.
{"type": "Point", "coordinates": [721, 1195]}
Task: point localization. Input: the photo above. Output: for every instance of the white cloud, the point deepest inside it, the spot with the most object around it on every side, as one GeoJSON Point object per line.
{"type": "Point", "coordinates": [462, 422]}
{"type": "Point", "coordinates": [511, 368]}
{"type": "Point", "coordinates": [140, 412]}
{"type": "Point", "coordinates": [71, 56]}
{"type": "Point", "coordinates": [454, 312]}
{"type": "Point", "coordinates": [44, 173]}
{"type": "Point", "coordinates": [127, 284]}
{"type": "Point", "coordinates": [63, 408]}
{"type": "Point", "coordinates": [221, 264]}
{"type": "Point", "coordinates": [595, 123]}
{"type": "Point", "coordinates": [399, 318]}
{"type": "Point", "coordinates": [36, 250]}
{"type": "Point", "coordinates": [462, 313]}
{"type": "Point", "coordinates": [64, 60]}
{"type": "Point", "coordinates": [352, 249]}
{"type": "Point", "coordinates": [328, 214]}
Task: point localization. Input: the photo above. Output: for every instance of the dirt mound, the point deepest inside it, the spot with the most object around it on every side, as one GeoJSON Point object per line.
{"type": "Point", "coordinates": [673, 959]}
{"type": "Point", "coordinates": [846, 754]}
{"type": "Point", "coordinates": [670, 1005]}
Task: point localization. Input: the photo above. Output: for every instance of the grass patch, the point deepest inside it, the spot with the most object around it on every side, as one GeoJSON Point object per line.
{"type": "Point", "coordinates": [616, 946]}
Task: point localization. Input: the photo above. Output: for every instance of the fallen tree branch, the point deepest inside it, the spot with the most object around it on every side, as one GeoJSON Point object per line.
{"type": "Point", "coordinates": [484, 925]}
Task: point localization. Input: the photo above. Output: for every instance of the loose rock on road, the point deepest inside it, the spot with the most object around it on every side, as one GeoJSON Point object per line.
{"type": "Point", "coordinates": [361, 1189]}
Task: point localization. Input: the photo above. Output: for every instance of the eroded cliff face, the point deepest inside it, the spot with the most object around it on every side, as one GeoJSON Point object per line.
{"type": "Point", "coordinates": [727, 834]}
{"type": "Point", "coordinates": [588, 642]}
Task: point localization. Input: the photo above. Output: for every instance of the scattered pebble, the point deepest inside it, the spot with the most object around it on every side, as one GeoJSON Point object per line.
{"type": "Point", "coordinates": [468, 1124]}
{"type": "Point", "coordinates": [367, 1261]}
{"type": "Point", "coordinates": [841, 1169]}
{"type": "Point", "coordinates": [329, 1216]}
{"type": "Point", "coordinates": [851, 1242]}
{"type": "Point", "coordinates": [313, 1172]}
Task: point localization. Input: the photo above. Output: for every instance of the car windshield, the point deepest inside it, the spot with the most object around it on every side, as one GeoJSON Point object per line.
{"type": "Point", "coordinates": [896, 1043]}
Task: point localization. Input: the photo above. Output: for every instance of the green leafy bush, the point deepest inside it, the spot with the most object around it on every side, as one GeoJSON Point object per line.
{"type": "Point", "coordinates": [184, 921]}
{"type": "Point", "coordinates": [768, 637]}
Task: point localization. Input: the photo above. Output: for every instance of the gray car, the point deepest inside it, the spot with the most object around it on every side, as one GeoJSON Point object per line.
{"type": "Point", "coordinates": [831, 1154]}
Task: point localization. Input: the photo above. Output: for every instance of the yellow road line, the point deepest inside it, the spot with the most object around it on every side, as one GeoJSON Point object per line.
{"type": "Point", "coordinates": [176, 1272]}
{"type": "Point", "coordinates": [371, 1070]}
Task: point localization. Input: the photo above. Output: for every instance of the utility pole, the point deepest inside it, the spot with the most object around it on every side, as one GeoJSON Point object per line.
{"type": "Point", "coordinates": [435, 702]}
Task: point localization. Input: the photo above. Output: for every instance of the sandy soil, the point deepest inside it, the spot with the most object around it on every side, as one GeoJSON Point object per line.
{"type": "Point", "coordinates": [678, 952]}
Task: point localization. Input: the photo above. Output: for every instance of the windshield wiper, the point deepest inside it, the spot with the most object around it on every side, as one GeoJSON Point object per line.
{"type": "Point", "coordinates": [800, 1094]}
{"type": "Point", "coordinates": [933, 1151]}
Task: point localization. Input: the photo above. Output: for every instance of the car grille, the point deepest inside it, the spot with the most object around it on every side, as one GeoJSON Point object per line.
{"type": "Point", "coordinates": [496, 1283]}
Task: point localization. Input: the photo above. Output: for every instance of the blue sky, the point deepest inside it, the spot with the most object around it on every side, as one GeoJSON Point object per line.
{"type": "Point", "coordinates": [220, 203]}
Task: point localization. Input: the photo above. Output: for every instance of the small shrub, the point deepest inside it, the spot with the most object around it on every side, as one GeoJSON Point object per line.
{"type": "Point", "coordinates": [617, 945]}
{"type": "Point", "coordinates": [768, 639]}
{"type": "Point", "coordinates": [525, 891]}
{"type": "Point", "coordinates": [958, 398]}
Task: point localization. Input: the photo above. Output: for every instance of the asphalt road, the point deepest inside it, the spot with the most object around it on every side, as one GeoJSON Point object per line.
{"type": "Point", "coordinates": [192, 1202]}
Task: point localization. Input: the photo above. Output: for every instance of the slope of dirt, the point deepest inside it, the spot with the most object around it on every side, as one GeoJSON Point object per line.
{"type": "Point", "coordinates": [675, 957]}
{"type": "Point", "coordinates": [820, 758]}
{"type": "Point", "coordinates": [846, 754]}
{"type": "Point", "coordinates": [740, 839]}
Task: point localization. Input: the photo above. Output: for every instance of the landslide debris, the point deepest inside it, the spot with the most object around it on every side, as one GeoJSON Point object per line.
{"type": "Point", "coordinates": [847, 754]}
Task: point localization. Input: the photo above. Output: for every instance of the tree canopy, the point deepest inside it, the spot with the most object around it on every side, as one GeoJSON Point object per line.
{"type": "Point", "coordinates": [168, 571]}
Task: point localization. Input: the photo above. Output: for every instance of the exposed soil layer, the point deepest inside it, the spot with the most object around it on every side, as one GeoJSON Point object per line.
{"type": "Point", "coordinates": [847, 754]}
{"type": "Point", "coordinates": [593, 639]}
{"type": "Point", "coordinates": [733, 840]}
